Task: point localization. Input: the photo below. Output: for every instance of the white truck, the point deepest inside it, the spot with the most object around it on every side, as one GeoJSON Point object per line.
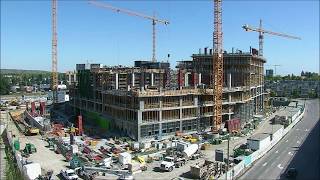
{"type": "Point", "coordinates": [167, 164]}
{"type": "Point", "coordinates": [69, 174]}
{"type": "Point", "coordinates": [170, 162]}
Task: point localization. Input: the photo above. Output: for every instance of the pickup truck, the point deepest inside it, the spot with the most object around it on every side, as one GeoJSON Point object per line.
{"type": "Point", "coordinates": [69, 174]}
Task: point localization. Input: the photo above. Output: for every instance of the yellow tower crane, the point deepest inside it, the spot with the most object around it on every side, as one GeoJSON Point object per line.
{"type": "Point", "coordinates": [153, 19]}
{"type": "Point", "coordinates": [54, 72]}
{"type": "Point", "coordinates": [217, 66]}
{"type": "Point", "coordinates": [262, 31]}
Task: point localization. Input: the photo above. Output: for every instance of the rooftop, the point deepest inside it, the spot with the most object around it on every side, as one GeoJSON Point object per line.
{"type": "Point", "coordinates": [259, 137]}
{"type": "Point", "coordinates": [288, 111]}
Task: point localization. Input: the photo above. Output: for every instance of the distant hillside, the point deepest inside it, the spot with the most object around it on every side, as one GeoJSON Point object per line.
{"type": "Point", "coordinates": [21, 71]}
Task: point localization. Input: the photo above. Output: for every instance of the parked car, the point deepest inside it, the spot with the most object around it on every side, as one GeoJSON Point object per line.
{"type": "Point", "coordinates": [126, 177]}
{"type": "Point", "coordinates": [69, 174]}
{"type": "Point", "coordinates": [292, 173]}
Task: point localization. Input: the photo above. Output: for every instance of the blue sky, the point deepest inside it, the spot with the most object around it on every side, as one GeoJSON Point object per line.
{"type": "Point", "coordinates": [88, 33]}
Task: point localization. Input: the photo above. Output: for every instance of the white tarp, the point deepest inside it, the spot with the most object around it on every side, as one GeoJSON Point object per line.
{"type": "Point", "coordinates": [125, 158]}
{"type": "Point", "coordinates": [32, 171]}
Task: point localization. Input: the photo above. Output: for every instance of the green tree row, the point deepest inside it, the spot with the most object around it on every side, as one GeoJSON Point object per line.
{"type": "Point", "coordinates": [312, 77]}
{"type": "Point", "coordinates": [25, 79]}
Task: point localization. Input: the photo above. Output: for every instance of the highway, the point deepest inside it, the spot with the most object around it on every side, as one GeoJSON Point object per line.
{"type": "Point", "coordinates": [299, 149]}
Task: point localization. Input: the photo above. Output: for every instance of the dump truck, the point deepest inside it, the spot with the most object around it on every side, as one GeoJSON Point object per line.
{"type": "Point", "coordinates": [31, 131]}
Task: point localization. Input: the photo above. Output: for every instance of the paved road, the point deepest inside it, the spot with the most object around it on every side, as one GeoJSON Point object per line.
{"type": "Point", "coordinates": [274, 164]}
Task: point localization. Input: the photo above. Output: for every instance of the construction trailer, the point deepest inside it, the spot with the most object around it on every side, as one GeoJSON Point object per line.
{"type": "Point", "coordinates": [142, 103]}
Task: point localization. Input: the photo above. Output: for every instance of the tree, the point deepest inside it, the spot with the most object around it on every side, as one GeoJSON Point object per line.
{"type": "Point", "coordinates": [4, 85]}
{"type": "Point", "coordinates": [272, 94]}
{"type": "Point", "coordinates": [295, 93]}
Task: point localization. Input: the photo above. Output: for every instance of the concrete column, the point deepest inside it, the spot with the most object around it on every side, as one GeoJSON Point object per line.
{"type": "Point", "coordinates": [230, 112]}
{"type": "Point", "coordinates": [142, 80]}
{"type": "Point", "coordinates": [229, 97]}
{"type": "Point", "coordinates": [139, 117]}
{"type": "Point", "coordinates": [152, 79]}
{"type": "Point", "coordinates": [199, 78]}
{"type": "Point", "coordinates": [117, 81]}
{"type": "Point", "coordinates": [160, 111]}
{"type": "Point", "coordinates": [180, 126]}
{"type": "Point", "coordinates": [186, 79]}
{"type": "Point", "coordinates": [229, 81]}
{"type": "Point", "coordinates": [139, 133]}
{"type": "Point", "coordinates": [180, 109]}
{"type": "Point", "coordinates": [160, 130]}
{"type": "Point", "coordinates": [141, 105]}
{"type": "Point", "coordinates": [195, 99]}
{"type": "Point", "coordinates": [132, 79]}
{"type": "Point", "coordinates": [139, 125]}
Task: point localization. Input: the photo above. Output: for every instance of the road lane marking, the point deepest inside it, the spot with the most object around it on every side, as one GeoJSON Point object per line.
{"type": "Point", "coordinates": [264, 164]}
{"type": "Point", "coordinates": [279, 166]}
{"type": "Point", "coordinates": [297, 129]}
{"type": "Point", "coordinates": [307, 130]}
{"type": "Point", "coordinates": [277, 151]}
{"type": "Point", "coordinates": [298, 142]}
{"type": "Point", "coordinates": [287, 140]}
{"type": "Point", "coordinates": [290, 153]}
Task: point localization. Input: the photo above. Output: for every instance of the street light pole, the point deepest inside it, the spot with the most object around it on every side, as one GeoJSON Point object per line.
{"type": "Point", "coordinates": [227, 169]}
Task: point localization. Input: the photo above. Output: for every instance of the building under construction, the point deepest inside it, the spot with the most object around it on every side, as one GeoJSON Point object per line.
{"type": "Point", "coordinates": [144, 102]}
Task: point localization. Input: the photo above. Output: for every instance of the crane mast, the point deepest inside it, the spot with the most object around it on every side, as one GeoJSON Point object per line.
{"type": "Point", "coordinates": [54, 73]}
{"type": "Point", "coordinates": [262, 31]}
{"type": "Point", "coordinates": [153, 19]}
{"type": "Point", "coordinates": [260, 39]}
{"type": "Point", "coordinates": [217, 66]}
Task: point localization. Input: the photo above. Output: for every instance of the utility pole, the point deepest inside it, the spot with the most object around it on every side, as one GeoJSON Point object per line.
{"type": "Point", "coordinates": [227, 169]}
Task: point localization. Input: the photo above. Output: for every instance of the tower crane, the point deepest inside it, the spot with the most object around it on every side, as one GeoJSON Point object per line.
{"type": "Point", "coordinates": [275, 68]}
{"type": "Point", "coordinates": [217, 66]}
{"type": "Point", "coordinates": [262, 31]}
{"type": "Point", "coordinates": [153, 19]}
{"type": "Point", "coordinates": [54, 72]}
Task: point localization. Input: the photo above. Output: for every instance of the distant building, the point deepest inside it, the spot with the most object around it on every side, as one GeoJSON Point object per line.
{"type": "Point", "coordinates": [71, 77]}
{"type": "Point", "coordinates": [269, 72]}
{"type": "Point", "coordinates": [299, 88]}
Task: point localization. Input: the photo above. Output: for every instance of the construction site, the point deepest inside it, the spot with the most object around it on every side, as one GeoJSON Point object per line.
{"type": "Point", "coordinates": [133, 122]}
{"type": "Point", "coordinates": [142, 102]}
